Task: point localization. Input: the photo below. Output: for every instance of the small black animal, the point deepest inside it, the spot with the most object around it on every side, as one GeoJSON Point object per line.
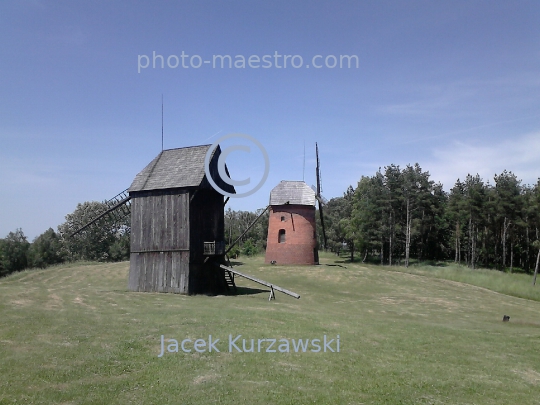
{"type": "Point", "coordinates": [273, 262]}
{"type": "Point", "coordinates": [506, 318]}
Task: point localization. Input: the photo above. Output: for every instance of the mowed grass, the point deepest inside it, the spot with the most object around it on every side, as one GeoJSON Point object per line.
{"type": "Point", "coordinates": [516, 284]}
{"type": "Point", "coordinates": [75, 335]}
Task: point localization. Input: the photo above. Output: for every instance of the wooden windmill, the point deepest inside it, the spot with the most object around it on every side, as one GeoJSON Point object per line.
{"type": "Point", "coordinates": [177, 223]}
{"type": "Point", "coordinates": [177, 226]}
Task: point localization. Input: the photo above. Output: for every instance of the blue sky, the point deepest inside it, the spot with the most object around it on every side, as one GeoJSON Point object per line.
{"type": "Point", "coordinates": [454, 86]}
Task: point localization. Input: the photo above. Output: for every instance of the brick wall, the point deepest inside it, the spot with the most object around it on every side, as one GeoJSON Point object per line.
{"type": "Point", "coordinates": [298, 222]}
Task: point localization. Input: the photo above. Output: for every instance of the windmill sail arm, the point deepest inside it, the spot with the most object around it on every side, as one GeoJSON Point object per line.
{"type": "Point", "coordinates": [322, 225]}
{"type": "Point", "coordinates": [247, 229]}
{"type": "Point", "coordinates": [322, 201]}
{"type": "Point", "coordinates": [114, 207]}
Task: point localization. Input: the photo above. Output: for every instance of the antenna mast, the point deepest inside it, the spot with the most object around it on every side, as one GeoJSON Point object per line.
{"type": "Point", "coordinates": [319, 188]}
{"type": "Point", "coordinates": [162, 122]}
{"type": "Point", "coordinates": [304, 167]}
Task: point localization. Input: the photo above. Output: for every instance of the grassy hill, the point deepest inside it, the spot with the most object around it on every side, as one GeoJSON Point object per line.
{"type": "Point", "coordinates": [74, 335]}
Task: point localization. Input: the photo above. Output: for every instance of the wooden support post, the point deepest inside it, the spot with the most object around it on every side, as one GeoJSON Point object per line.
{"type": "Point", "coordinates": [272, 294]}
{"type": "Point", "coordinates": [536, 268]}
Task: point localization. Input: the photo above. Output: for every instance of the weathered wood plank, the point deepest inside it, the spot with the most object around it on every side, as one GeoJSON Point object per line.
{"type": "Point", "coordinates": [133, 273]}
{"type": "Point", "coordinates": [142, 272]}
{"type": "Point", "coordinates": [168, 266]}
{"type": "Point", "coordinates": [174, 274]}
{"type": "Point", "coordinates": [184, 280]}
{"type": "Point", "coordinates": [159, 273]}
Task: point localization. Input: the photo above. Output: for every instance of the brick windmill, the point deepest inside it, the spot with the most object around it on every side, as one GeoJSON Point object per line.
{"type": "Point", "coordinates": [292, 235]}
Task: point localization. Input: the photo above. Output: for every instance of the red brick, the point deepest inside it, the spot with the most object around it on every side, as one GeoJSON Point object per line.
{"type": "Point", "coordinates": [300, 238]}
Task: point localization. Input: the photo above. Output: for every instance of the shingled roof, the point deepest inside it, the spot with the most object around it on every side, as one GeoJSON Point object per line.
{"type": "Point", "coordinates": [292, 192]}
{"type": "Point", "coordinates": [176, 168]}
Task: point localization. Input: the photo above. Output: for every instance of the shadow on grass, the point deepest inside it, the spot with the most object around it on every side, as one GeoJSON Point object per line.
{"type": "Point", "coordinates": [249, 291]}
{"type": "Point", "coordinates": [401, 263]}
{"type": "Point", "coordinates": [432, 263]}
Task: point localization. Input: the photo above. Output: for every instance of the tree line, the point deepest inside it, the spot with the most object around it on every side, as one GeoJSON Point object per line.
{"type": "Point", "coordinates": [250, 241]}
{"type": "Point", "coordinates": [399, 214]}
{"type": "Point", "coordinates": [392, 217]}
{"type": "Point", "coordinates": [107, 240]}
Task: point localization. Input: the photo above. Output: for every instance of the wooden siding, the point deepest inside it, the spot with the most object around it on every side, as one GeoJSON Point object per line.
{"type": "Point", "coordinates": [159, 272]}
{"type": "Point", "coordinates": [168, 231]}
{"type": "Point", "coordinates": [160, 242]}
{"type": "Point", "coordinates": [159, 222]}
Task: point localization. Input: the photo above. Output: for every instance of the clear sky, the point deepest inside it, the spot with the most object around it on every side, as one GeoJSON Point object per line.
{"type": "Point", "coordinates": [454, 86]}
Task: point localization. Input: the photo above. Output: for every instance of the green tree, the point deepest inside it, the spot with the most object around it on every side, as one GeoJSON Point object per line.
{"type": "Point", "coordinates": [399, 212]}
{"type": "Point", "coordinates": [14, 248]}
{"type": "Point", "coordinates": [508, 201]}
{"type": "Point", "coordinates": [346, 225]}
{"type": "Point", "coordinates": [334, 211]}
{"type": "Point", "coordinates": [473, 205]}
{"type": "Point", "coordinates": [368, 214]}
{"type": "Point", "coordinates": [416, 189]}
{"type": "Point", "coordinates": [238, 222]}
{"type": "Point", "coordinates": [120, 249]}
{"type": "Point", "coordinates": [45, 250]}
{"type": "Point", "coordinates": [438, 232]}
{"type": "Point", "coordinates": [394, 200]}
{"type": "Point", "coordinates": [96, 241]}
{"type": "Point", "coordinates": [250, 248]}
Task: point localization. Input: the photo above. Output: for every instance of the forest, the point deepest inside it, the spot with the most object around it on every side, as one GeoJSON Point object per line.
{"type": "Point", "coordinates": [395, 217]}
{"type": "Point", "coordinates": [401, 214]}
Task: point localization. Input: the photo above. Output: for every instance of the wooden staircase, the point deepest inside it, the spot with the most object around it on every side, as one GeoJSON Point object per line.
{"type": "Point", "coordinates": [229, 279]}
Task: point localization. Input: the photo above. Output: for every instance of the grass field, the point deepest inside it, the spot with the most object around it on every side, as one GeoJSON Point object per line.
{"type": "Point", "coordinates": [515, 284]}
{"type": "Point", "coordinates": [74, 335]}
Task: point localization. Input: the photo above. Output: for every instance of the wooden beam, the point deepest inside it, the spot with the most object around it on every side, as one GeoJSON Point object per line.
{"type": "Point", "coordinates": [265, 283]}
